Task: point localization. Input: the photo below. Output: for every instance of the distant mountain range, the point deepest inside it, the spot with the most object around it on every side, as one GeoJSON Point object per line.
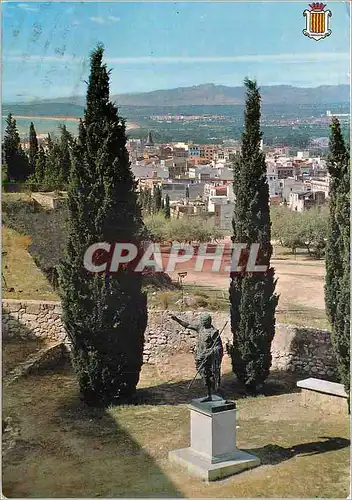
{"type": "Point", "coordinates": [210, 94]}
{"type": "Point", "coordinates": [207, 94]}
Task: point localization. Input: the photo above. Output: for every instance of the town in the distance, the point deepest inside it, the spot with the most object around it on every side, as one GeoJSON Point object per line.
{"type": "Point", "coordinates": [198, 178]}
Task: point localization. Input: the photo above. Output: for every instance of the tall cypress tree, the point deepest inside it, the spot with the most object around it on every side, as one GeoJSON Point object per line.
{"type": "Point", "coordinates": [33, 148]}
{"type": "Point", "coordinates": [252, 296]}
{"type": "Point", "coordinates": [65, 146]}
{"type": "Point", "coordinates": [167, 207]}
{"type": "Point", "coordinates": [337, 281]}
{"type": "Point", "coordinates": [157, 198]}
{"type": "Point", "coordinates": [105, 316]}
{"type": "Point", "coordinates": [149, 201]}
{"type": "Point", "coordinates": [40, 167]}
{"type": "Point", "coordinates": [13, 154]}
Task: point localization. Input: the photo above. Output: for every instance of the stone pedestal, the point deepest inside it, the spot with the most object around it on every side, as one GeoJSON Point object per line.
{"type": "Point", "coordinates": [213, 453]}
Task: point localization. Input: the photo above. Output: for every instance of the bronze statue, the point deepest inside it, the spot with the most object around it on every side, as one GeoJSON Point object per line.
{"type": "Point", "coordinates": [208, 354]}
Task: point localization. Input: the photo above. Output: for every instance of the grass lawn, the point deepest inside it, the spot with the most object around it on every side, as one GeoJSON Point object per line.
{"type": "Point", "coordinates": [14, 352]}
{"type": "Point", "coordinates": [214, 299]}
{"type": "Point", "coordinates": [20, 271]}
{"type": "Point", "coordinates": [285, 253]}
{"type": "Point", "coordinates": [64, 449]}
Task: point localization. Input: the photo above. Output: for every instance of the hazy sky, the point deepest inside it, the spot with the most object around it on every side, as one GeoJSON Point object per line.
{"type": "Point", "coordinates": [153, 46]}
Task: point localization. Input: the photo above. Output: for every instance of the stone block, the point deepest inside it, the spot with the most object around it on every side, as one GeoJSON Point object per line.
{"type": "Point", "coordinates": [29, 317]}
{"type": "Point", "coordinates": [213, 453]}
{"type": "Point", "coordinates": [33, 308]}
{"type": "Point", "coordinates": [12, 306]}
{"type": "Point", "coordinates": [206, 471]}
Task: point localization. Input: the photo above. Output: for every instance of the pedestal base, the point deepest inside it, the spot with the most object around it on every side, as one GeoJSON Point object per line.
{"type": "Point", "coordinates": [196, 464]}
{"type": "Point", "coordinates": [213, 453]}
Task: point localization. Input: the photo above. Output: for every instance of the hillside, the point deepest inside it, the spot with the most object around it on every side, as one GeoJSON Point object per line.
{"type": "Point", "coordinates": [207, 94]}
{"type": "Point", "coordinates": [210, 94]}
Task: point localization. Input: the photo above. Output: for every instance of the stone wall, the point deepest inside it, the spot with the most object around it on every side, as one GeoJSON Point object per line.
{"type": "Point", "coordinates": [296, 349]}
{"type": "Point", "coordinates": [49, 200]}
{"type": "Point", "coordinates": [32, 319]}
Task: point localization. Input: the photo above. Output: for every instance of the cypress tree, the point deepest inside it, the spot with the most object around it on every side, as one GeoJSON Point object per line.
{"type": "Point", "coordinates": [149, 202]}
{"type": "Point", "coordinates": [40, 167]}
{"type": "Point", "coordinates": [167, 207]}
{"type": "Point", "coordinates": [337, 159]}
{"type": "Point", "coordinates": [105, 316]}
{"type": "Point", "coordinates": [53, 176]}
{"type": "Point", "coordinates": [49, 142]}
{"type": "Point", "coordinates": [33, 148]}
{"type": "Point", "coordinates": [337, 281]}
{"type": "Point", "coordinates": [252, 297]}
{"type": "Point", "coordinates": [13, 154]}
{"type": "Point", "coordinates": [157, 198]}
{"type": "Point", "coordinates": [141, 198]}
{"type": "Point", "coordinates": [65, 146]}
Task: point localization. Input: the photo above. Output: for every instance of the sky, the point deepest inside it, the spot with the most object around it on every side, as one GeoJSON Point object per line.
{"type": "Point", "coordinates": [162, 45]}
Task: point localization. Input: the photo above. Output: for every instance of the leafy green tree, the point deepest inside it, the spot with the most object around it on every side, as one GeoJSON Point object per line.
{"type": "Point", "coordinates": [313, 230]}
{"type": "Point", "coordinates": [33, 148]}
{"type": "Point", "coordinates": [157, 227]}
{"type": "Point", "coordinates": [167, 207]}
{"type": "Point", "coordinates": [252, 297]}
{"type": "Point", "coordinates": [337, 281]}
{"type": "Point", "coordinates": [105, 316]}
{"type": "Point", "coordinates": [13, 155]}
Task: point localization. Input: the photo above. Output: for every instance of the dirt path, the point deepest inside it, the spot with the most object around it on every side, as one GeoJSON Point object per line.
{"type": "Point", "coordinates": [299, 283]}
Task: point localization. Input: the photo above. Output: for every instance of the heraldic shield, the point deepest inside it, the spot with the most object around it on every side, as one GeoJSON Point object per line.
{"type": "Point", "coordinates": [317, 21]}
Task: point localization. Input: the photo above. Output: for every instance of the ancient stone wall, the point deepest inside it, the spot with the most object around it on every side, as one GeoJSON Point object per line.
{"type": "Point", "coordinates": [32, 319]}
{"type": "Point", "coordinates": [296, 349]}
{"type": "Point", "coordinates": [49, 200]}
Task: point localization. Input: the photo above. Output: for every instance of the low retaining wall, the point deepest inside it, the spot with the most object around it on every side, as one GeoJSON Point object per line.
{"type": "Point", "coordinates": [32, 319]}
{"type": "Point", "coordinates": [49, 200]}
{"type": "Point", "coordinates": [296, 349]}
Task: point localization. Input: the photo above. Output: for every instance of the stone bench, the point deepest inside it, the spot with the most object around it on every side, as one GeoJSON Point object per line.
{"type": "Point", "coordinates": [329, 396]}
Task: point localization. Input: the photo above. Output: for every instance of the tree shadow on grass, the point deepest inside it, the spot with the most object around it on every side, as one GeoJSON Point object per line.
{"type": "Point", "coordinates": [272, 454]}
{"type": "Point", "coordinates": [79, 451]}
{"type": "Point", "coordinates": [179, 392]}
{"type": "Point", "coordinates": [102, 439]}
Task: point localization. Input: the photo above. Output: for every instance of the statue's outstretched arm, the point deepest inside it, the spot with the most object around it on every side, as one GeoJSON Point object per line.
{"type": "Point", "coordinates": [191, 326]}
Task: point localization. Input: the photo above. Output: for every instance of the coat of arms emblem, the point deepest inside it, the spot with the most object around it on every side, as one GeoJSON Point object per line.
{"type": "Point", "coordinates": [317, 21]}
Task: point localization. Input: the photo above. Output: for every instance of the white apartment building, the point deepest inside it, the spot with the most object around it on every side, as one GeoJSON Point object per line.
{"type": "Point", "coordinates": [224, 174]}
{"type": "Point", "coordinates": [305, 200]}
{"type": "Point", "coordinates": [273, 179]}
{"type": "Point", "coordinates": [303, 155]}
{"type": "Point", "coordinates": [321, 184]}
{"type": "Point", "coordinates": [202, 173]}
{"type": "Point", "coordinates": [149, 172]}
{"type": "Point", "coordinates": [213, 201]}
{"type": "Point", "coordinates": [230, 194]}
{"type": "Point", "coordinates": [290, 185]}
{"type": "Point", "coordinates": [224, 215]}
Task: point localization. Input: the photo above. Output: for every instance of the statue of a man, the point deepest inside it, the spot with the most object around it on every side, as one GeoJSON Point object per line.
{"type": "Point", "coordinates": [208, 354]}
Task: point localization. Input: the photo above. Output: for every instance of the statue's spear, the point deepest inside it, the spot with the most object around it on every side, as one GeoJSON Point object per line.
{"type": "Point", "coordinates": [210, 350]}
